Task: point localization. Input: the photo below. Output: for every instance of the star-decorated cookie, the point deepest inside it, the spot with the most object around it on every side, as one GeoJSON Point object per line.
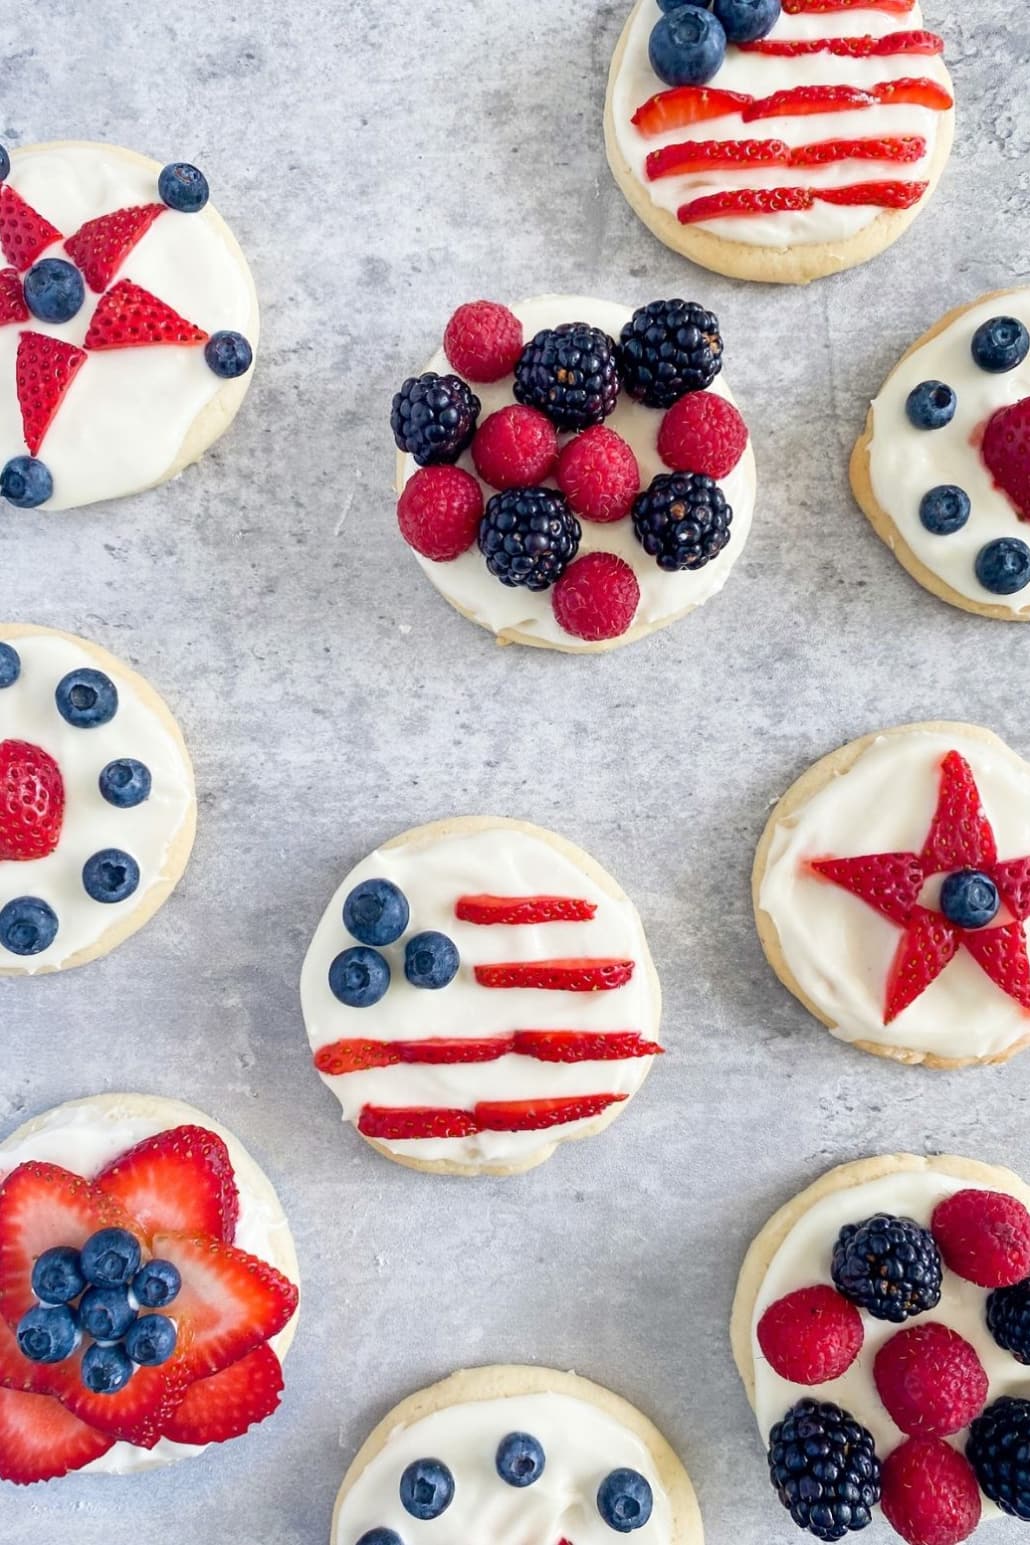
{"type": "Point", "coordinates": [574, 475]}
{"type": "Point", "coordinates": [778, 143]}
{"type": "Point", "coordinates": [128, 321]}
{"type": "Point", "coordinates": [147, 1289]}
{"type": "Point", "coordinates": [883, 1316]}
{"type": "Point", "coordinates": [892, 893]}
{"type": "Point", "coordinates": [512, 1454]}
{"type": "Point", "coordinates": [478, 992]}
{"type": "Point", "coordinates": [942, 469]}
{"type": "Point", "coordinates": [97, 804]}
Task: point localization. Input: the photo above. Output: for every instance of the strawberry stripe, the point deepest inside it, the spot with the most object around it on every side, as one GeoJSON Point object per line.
{"type": "Point", "coordinates": [830, 7]}
{"type": "Point", "coordinates": [588, 974]}
{"type": "Point", "coordinates": [515, 910]}
{"type": "Point", "coordinates": [769, 201]}
{"type": "Point", "coordinates": [889, 47]}
{"type": "Point", "coordinates": [737, 155]}
{"type": "Point", "coordinates": [359, 1056]}
{"type": "Point", "coordinates": [401, 1123]}
{"type": "Point", "coordinates": [901, 147]}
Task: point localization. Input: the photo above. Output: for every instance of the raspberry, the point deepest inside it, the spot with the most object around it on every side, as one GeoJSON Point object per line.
{"type": "Point", "coordinates": [597, 597]}
{"type": "Point", "coordinates": [702, 433]}
{"type": "Point", "coordinates": [811, 1336]}
{"type": "Point", "coordinates": [984, 1236]}
{"type": "Point", "coordinates": [516, 448]}
{"type": "Point", "coordinates": [439, 512]}
{"type": "Point", "coordinates": [483, 341]}
{"type": "Point", "coordinates": [930, 1493]}
{"type": "Point", "coordinates": [599, 476]}
{"type": "Point", "coordinates": [1006, 450]}
{"type": "Point", "coordinates": [930, 1380]}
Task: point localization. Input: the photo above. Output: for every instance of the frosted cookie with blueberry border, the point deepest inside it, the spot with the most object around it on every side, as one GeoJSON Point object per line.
{"type": "Point", "coordinates": [479, 991]}
{"type": "Point", "coordinates": [942, 469]}
{"type": "Point", "coordinates": [97, 802]}
{"type": "Point", "coordinates": [128, 323]}
{"type": "Point", "coordinates": [778, 143]}
{"type": "Point", "coordinates": [512, 1454]}
{"type": "Point", "coordinates": [574, 475]}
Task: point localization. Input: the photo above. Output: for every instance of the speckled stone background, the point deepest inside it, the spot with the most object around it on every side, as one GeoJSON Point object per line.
{"type": "Point", "coordinates": [380, 164]}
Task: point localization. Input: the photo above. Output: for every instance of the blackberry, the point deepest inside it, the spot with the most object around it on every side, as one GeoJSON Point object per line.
{"type": "Point", "coordinates": [667, 349]}
{"type": "Point", "coordinates": [682, 520]}
{"type": "Point", "coordinates": [434, 418]}
{"type": "Point", "coordinates": [999, 1451]}
{"type": "Point", "coordinates": [569, 373]}
{"type": "Point", "coordinates": [889, 1266]}
{"type": "Point", "coordinates": [1008, 1319]}
{"type": "Point", "coordinates": [824, 1467]}
{"type": "Point", "coordinates": [528, 536]}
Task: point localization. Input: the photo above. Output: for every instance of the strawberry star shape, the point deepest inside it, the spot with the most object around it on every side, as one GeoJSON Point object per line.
{"type": "Point", "coordinates": [961, 837]}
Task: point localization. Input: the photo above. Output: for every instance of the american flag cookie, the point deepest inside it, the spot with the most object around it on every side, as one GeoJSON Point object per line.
{"type": "Point", "coordinates": [479, 991]}
{"type": "Point", "coordinates": [128, 323]}
{"type": "Point", "coordinates": [778, 142]}
{"type": "Point", "coordinates": [942, 469]}
{"type": "Point", "coordinates": [512, 1455]}
{"type": "Point", "coordinates": [97, 801]}
{"type": "Point", "coordinates": [574, 475]}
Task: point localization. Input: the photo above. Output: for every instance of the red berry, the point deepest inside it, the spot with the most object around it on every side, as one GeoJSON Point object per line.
{"type": "Point", "coordinates": [702, 433]}
{"type": "Point", "coordinates": [129, 317]}
{"type": "Point", "coordinates": [1006, 450]}
{"type": "Point", "coordinates": [101, 246]}
{"type": "Point", "coordinates": [483, 341]}
{"type": "Point", "coordinates": [515, 448]}
{"type": "Point", "coordinates": [597, 597]}
{"type": "Point", "coordinates": [984, 1236]}
{"type": "Point", "coordinates": [31, 801]}
{"type": "Point", "coordinates": [811, 1336]}
{"type": "Point", "coordinates": [599, 476]}
{"type": "Point", "coordinates": [931, 1380]}
{"type": "Point", "coordinates": [439, 512]}
{"type": "Point", "coordinates": [45, 368]}
{"type": "Point", "coordinates": [930, 1493]}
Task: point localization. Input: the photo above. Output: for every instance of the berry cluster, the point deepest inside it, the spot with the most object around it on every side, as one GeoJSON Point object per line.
{"type": "Point", "coordinates": [376, 913]}
{"type": "Point", "coordinates": [688, 42]}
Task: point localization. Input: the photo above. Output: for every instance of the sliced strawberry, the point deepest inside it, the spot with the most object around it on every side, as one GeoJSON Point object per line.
{"type": "Point", "coordinates": [902, 147]}
{"type": "Point", "coordinates": [585, 975]}
{"type": "Point", "coordinates": [354, 1055]}
{"type": "Point", "coordinates": [31, 801]}
{"type": "Point", "coordinates": [40, 1440]}
{"type": "Point", "coordinates": [745, 201]}
{"type": "Point", "coordinates": [888, 882]}
{"type": "Point", "coordinates": [180, 1181]}
{"type": "Point", "coordinates": [358, 1056]}
{"type": "Point", "coordinates": [1001, 952]}
{"type": "Point", "coordinates": [894, 43]}
{"type": "Point", "coordinates": [961, 836]}
{"type": "Point", "coordinates": [101, 246]}
{"type": "Point", "coordinates": [801, 101]}
{"type": "Point", "coordinates": [584, 1045]}
{"type": "Point", "coordinates": [929, 943]}
{"type": "Point", "coordinates": [398, 1123]}
{"type": "Point", "coordinates": [1013, 882]}
{"type": "Point", "coordinates": [538, 1115]}
{"type": "Point", "coordinates": [12, 298]}
{"type": "Point", "coordinates": [1006, 453]}
{"type": "Point", "coordinates": [715, 155]}
{"type": "Point", "coordinates": [226, 1404]}
{"type": "Point", "coordinates": [45, 369]}
{"type": "Point", "coordinates": [42, 1205]}
{"type": "Point", "coordinates": [826, 7]}
{"type": "Point", "coordinates": [24, 234]}
{"type": "Point", "coordinates": [888, 195]}
{"type": "Point", "coordinates": [129, 317]}
{"type": "Point", "coordinates": [684, 105]}
{"type": "Point", "coordinates": [913, 92]}
{"type": "Point", "coordinates": [136, 1414]}
{"type": "Point", "coordinates": [523, 909]}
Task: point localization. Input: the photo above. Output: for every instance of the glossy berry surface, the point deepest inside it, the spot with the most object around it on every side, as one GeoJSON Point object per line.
{"type": "Point", "coordinates": [150, 1340]}
{"type": "Point", "coordinates": [682, 521]}
{"type": "Point", "coordinates": [999, 1451]}
{"type": "Point", "coordinates": [28, 925]}
{"type": "Point", "coordinates": [744, 21]}
{"type": "Point", "coordinates": [888, 1266]}
{"type": "Point", "coordinates": [970, 899]}
{"type": "Point", "coordinates": [528, 536]}
{"type": "Point", "coordinates": [1008, 1319]}
{"type": "Point", "coordinates": [439, 511]}
{"type": "Point", "coordinates": [57, 1275]}
{"type": "Point", "coordinates": [426, 1489]}
{"type": "Point", "coordinates": [156, 1284]}
{"type": "Point", "coordinates": [5, 163]}
{"type": "Point", "coordinates": [945, 509]}
{"type": "Point", "coordinates": [431, 960]}
{"type": "Point", "coordinates": [376, 912]}
{"type": "Point", "coordinates": [110, 876]}
{"type": "Point", "coordinates": [125, 783]}
{"type": "Point", "coordinates": [106, 1370]}
{"type": "Point", "coordinates": [228, 355]}
{"type": "Point", "coordinates": [10, 665]}
{"type": "Point", "coordinates": [106, 1313]}
{"type": "Point", "coordinates": [687, 46]}
{"type": "Point", "coordinates": [1003, 567]}
{"type": "Point", "coordinates": [931, 405]}
{"type": "Point", "coordinates": [434, 418]}
{"type": "Point", "coordinates": [520, 1459]}
{"type": "Point", "coordinates": [54, 290]}
{"type": "Point", "coordinates": [183, 187]}
{"type": "Point", "coordinates": [86, 698]}
{"type": "Point", "coordinates": [625, 1500]}
{"type": "Point", "coordinates": [668, 348]}
{"type": "Point", "coordinates": [1000, 345]}
{"type": "Point", "coordinates": [26, 482]}
{"type": "Point", "coordinates": [380, 1537]}
{"type": "Point", "coordinates": [823, 1466]}
{"type": "Point", "coordinates": [359, 977]}
{"type": "Point", "coordinates": [47, 1333]}
{"type": "Point", "coordinates": [569, 373]}
{"type": "Point", "coordinates": [110, 1257]}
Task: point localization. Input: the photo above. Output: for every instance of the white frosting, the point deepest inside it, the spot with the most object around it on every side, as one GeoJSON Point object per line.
{"type": "Point", "coordinates": [500, 861]}
{"type": "Point", "coordinates": [838, 948]}
{"type": "Point", "coordinates": [760, 75]}
{"type": "Point", "coordinates": [905, 462]}
{"type": "Point", "coordinates": [469, 584]}
{"type": "Point", "coordinates": [582, 1445]}
{"type": "Point", "coordinates": [28, 712]}
{"type": "Point", "coordinates": [122, 425]}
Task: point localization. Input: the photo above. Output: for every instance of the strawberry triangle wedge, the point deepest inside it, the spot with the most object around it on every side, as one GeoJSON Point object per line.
{"type": "Point", "coordinates": [24, 234]}
{"type": "Point", "coordinates": [44, 370]}
{"type": "Point", "coordinates": [129, 317]}
{"type": "Point", "coordinates": [101, 246]}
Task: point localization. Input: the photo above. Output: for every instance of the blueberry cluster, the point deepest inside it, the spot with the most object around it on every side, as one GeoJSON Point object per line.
{"type": "Point", "coordinates": [376, 913]}
{"type": "Point", "coordinates": [96, 1294]}
{"type": "Point", "coordinates": [688, 43]}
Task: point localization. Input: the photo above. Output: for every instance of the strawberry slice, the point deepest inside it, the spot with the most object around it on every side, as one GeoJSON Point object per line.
{"type": "Point", "coordinates": [960, 835]}
{"type": "Point", "coordinates": [180, 1181]}
{"type": "Point", "coordinates": [826, 7]}
{"type": "Point", "coordinates": [1013, 882]}
{"type": "Point", "coordinates": [12, 299]}
{"type": "Point", "coordinates": [917, 41]}
{"type": "Point", "coordinates": [359, 1056]}
{"type": "Point", "coordinates": [354, 1055]}
{"type": "Point", "coordinates": [226, 1404]}
{"type": "Point", "coordinates": [487, 910]}
{"type": "Point", "coordinates": [684, 105]}
{"type": "Point", "coordinates": [40, 1440]}
{"type": "Point", "coordinates": [584, 975]}
{"type": "Point", "coordinates": [24, 234]}
{"type": "Point", "coordinates": [901, 147]}
{"type": "Point", "coordinates": [801, 101]}
{"type": "Point", "coordinates": [745, 201]}
{"type": "Point", "coordinates": [101, 246]}
{"type": "Point", "coordinates": [31, 801]}
{"type": "Point", "coordinates": [538, 1115]}
{"type": "Point", "coordinates": [888, 882]}
{"type": "Point", "coordinates": [398, 1123]}
{"type": "Point", "coordinates": [913, 92]}
{"type": "Point", "coordinates": [715, 155]}
{"type": "Point", "coordinates": [584, 1045]}
{"type": "Point", "coordinates": [1006, 453]}
{"type": "Point", "coordinates": [136, 1414]}
{"type": "Point", "coordinates": [129, 317]}
{"type": "Point", "coordinates": [45, 369]}
{"type": "Point", "coordinates": [929, 943]}
{"type": "Point", "coordinates": [889, 195]}
{"type": "Point", "coordinates": [1001, 952]}
{"type": "Point", "coordinates": [42, 1205]}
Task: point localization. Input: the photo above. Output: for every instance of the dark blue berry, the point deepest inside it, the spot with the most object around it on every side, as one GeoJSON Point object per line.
{"type": "Point", "coordinates": [27, 926]}
{"type": "Point", "coordinates": [682, 520]}
{"type": "Point", "coordinates": [970, 899]}
{"type": "Point", "coordinates": [156, 1284]}
{"type": "Point", "coordinates": [931, 405]}
{"type": "Point", "coordinates": [86, 698]}
{"type": "Point", "coordinates": [376, 912]}
{"type": "Point", "coordinates": [57, 1275]}
{"type": "Point", "coordinates": [434, 418]}
{"type": "Point", "coordinates": [431, 960]}
{"type": "Point", "coordinates": [1008, 1319]}
{"type": "Point", "coordinates": [426, 1489]}
{"type": "Point", "coordinates": [110, 875]}
{"type": "Point", "coordinates": [1000, 345]}
{"type": "Point", "coordinates": [106, 1370]}
{"type": "Point", "coordinates": [125, 783]}
{"type": "Point", "coordinates": [25, 482]}
{"type": "Point", "coordinates": [54, 290]}
{"type": "Point", "coordinates": [380, 1537]}
{"type": "Point", "coordinates": [182, 187]}
{"type": "Point", "coordinates": [889, 1266]}
{"type": "Point", "coordinates": [999, 1451]}
{"type": "Point", "coordinates": [359, 977]}
{"type": "Point", "coordinates": [106, 1313]}
{"type": "Point", "coordinates": [529, 536]}
{"type": "Point", "coordinates": [5, 163]}
{"type": "Point", "coordinates": [945, 510]}
{"type": "Point", "coordinates": [824, 1468]}
{"type": "Point", "coordinates": [625, 1500]}
{"type": "Point", "coordinates": [48, 1333]}
{"type": "Point", "coordinates": [1003, 567]}
{"type": "Point", "coordinates": [229, 355]}
{"type": "Point", "coordinates": [687, 47]}
{"type": "Point", "coordinates": [10, 665]}
{"type": "Point", "coordinates": [110, 1257]}
{"type": "Point", "coordinates": [744, 21]}
{"type": "Point", "coordinates": [570, 373]}
{"type": "Point", "coordinates": [150, 1340]}
{"type": "Point", "coordinates": [520, 1459]}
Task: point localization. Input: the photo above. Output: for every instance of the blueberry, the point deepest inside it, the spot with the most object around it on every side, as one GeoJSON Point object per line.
{"type": "Point", "coordinates": [624, 1501]}
{"type": "Point", "coordinates": [376, 912]}
{"type": "Point", "coordinates": [86, 698]}
{"type": "Point", "coordinates": [27, 926]}
{"type": "Point", "coordinates": [54, 290]}
{"type": "Point", "coordinates": [125, 783]}
{"type": "Point", "coordinates": [427, 1489]}
{"type": "Point", "coordinates": [931, 405]}
{"type": "Point", "coordinates": [110, 1258]}
{"type": "Point", "coordinates": [150, 1340]}
{"type": "Point", "coordinates": [380, 1537]}
{"type": "Point", "coordinates": [970, 899]}
{"type": "Point", "coordinates": [25, 482]}
{"type": "Point", "coordinates": [520, 1459]}
{"type": "Point", "coordinates": [431, 960]}
{"type": "Point", "coordinates": [359, 977]}
{"type": "Point", "coordinates": [106, 1370]}
{"type": "Point", "coordinates": [106, 1313]}
{"type": "Point", "coordinates": [48, 1333]}
{"type": "Point", "coordinates": [1003, 567]}
{"type": "Point", "coordinates": [229, 355]}
{"type": "Point", "coordinates": [110, 875]}
{"type": "Point", "coordinates": [156, 1284]}
{"type": "Point", "coordinates": [687, 46]}
{"type": "Point", "coordinates": [945, 510]}
{"type": "Point", "coordinates": [57, 1275]}
{"type": "Point", "coordinates": [1001, 344]}
{"type": "Point", "coordinates": [182, 187]}
{"type": "Point", "coordinates": [744, 21]}
{"type": "Point", "coordinates": [10, 665]}
{"type": "Point", "coordinates": [5, 163]}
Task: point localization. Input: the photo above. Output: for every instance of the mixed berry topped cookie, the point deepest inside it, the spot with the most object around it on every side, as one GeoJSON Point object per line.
{"type": "Point", "coordinates": [478, 992]}
{"type": "Point", "coordinates": [778, 141]}
{"type": "Point", "coordinates": [128, 321]}
{"type": "Point", "coordinates": [147, 1289]}
{"type": "Point", "coordinates": [513, 1455]}
{"type": "Point", "coordinates": [882, 1329]}
{"type": "Point", "coordinates": [97, 804]}
{"type": "Point", "coordinates": [573, 475]}
{"type": "Point", "coordinates": [943, 467]}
